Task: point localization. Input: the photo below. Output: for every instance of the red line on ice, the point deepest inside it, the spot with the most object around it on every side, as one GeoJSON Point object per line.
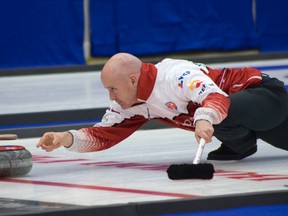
{"type": "Point", "coordinates": [95, 187]}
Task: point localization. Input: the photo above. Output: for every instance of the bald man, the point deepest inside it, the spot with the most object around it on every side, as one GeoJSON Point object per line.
{"type": "Point", "coordinates": [237, 106]}
{"type": "Point", "coordinates": [122, 84]}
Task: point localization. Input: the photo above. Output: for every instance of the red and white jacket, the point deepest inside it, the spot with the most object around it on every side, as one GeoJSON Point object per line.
{"type": "Point", "coordinates": [177, 92]}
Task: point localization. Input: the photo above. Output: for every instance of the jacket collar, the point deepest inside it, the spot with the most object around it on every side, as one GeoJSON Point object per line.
{"type": "Point", "coordinates": [146, 81]}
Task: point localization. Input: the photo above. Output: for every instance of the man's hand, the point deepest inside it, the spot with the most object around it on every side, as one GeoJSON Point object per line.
{"type": "Point", "coordinates": [205, 130]}
{"type": "Point", "coordinates": [53, 140]}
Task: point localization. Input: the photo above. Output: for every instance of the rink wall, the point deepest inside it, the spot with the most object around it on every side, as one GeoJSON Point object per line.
{"type": "Point", "coordinates": [51, 32]}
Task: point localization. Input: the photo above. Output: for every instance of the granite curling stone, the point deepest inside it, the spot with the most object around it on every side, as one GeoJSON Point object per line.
{"type": "Point", "coordinates": [15, 161]}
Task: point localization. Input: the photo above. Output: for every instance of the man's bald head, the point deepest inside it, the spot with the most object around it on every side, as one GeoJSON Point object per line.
{"type": "Point", "coordinates": [120, 77]}
{"type": "Point", "coordinates": [122, 64]}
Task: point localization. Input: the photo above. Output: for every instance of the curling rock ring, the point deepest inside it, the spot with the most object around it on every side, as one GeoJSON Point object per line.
{"type": "Point", "coordinates": [14, 161]}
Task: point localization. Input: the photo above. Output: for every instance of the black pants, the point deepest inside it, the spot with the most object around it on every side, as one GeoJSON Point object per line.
{"type": "Point", "coordinates": [260, 112]}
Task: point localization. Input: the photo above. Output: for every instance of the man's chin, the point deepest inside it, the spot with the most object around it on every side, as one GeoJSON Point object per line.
{"type": "Point", "coordinates": [124, 107]}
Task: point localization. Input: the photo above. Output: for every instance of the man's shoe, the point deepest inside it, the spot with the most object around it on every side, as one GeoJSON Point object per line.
{"type": "Point", "coordinates": [223, 153]}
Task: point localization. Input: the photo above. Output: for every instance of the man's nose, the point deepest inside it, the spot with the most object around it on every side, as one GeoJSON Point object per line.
{"type": "Point", "coordinates": [112, 96]}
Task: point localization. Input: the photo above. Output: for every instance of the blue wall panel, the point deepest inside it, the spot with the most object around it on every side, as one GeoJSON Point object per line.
{"type": "Point", "coordinates": [272, 17]}
{"type": "Point", "coordinates": [104, 33]}
{"type": "Point", "coordinates": [41, 33]}
{"type": "Point", "coordinates": [155, 26]}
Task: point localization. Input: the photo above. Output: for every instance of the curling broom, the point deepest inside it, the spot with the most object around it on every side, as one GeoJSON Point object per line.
{"type": "Point", "coordinates": [192, 171]}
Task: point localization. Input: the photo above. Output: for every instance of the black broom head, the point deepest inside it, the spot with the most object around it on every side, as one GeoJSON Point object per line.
{"type": "Point", "coordinates": [190, 171]}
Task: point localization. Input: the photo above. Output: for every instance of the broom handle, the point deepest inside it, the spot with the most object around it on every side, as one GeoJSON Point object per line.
{"type": "Point", "coordinates": [199, 151]}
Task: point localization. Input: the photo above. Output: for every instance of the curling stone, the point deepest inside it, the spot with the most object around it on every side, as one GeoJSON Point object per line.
{"type": "Point", "coordinates": [14, 161]}
{"type": "Point", "coordinates": [8, 136]}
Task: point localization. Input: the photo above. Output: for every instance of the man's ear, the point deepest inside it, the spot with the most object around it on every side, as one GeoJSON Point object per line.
{"type": "Point", "coordinates": [133, 79]}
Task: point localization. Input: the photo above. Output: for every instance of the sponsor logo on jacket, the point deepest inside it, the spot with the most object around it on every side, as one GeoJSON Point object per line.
{"type": "Point", "coordinates": [195, 84]}
{"type": "Point", "coordinates": [171, 105]}
{"type": "Point", "coordinates": [181, 78]}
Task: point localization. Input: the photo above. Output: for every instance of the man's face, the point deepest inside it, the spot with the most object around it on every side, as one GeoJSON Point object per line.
{"type": "Point", "coordinates": [123, 91]}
